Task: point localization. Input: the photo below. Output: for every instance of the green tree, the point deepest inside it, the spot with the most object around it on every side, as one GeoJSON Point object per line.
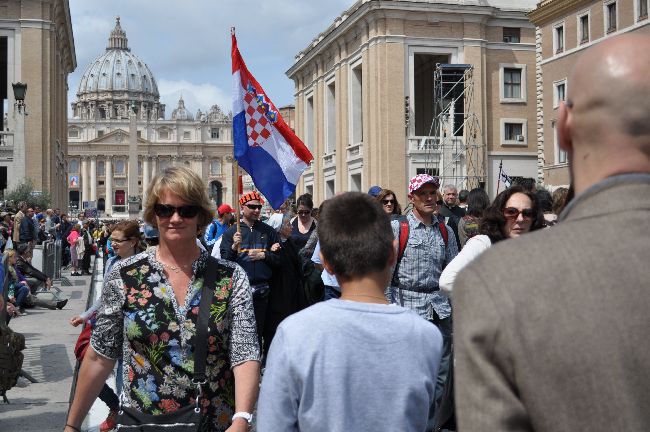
{"type": "Point", "coordinates": [24, 191]}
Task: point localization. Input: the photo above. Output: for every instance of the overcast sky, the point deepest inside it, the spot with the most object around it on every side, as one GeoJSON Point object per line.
{"type": "Point", "coordinates": [186, 44]}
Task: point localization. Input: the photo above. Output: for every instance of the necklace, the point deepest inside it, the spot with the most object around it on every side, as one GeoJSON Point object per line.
{"type": "Point", "coordinates": [175, 268]}
{"type": "Point", "coordinates": [383, 299]}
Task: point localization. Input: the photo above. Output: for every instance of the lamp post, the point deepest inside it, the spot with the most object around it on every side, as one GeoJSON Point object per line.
{"type": "Point", "coordinates": [20, 90]}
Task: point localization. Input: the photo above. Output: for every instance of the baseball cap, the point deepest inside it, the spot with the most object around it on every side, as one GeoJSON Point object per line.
{"type": "Point", "coordinates": [420, 180]}
{"type": "Point", "coordinates": [225, 208]}
{"type": "Point", "coordinates": [374, 191]}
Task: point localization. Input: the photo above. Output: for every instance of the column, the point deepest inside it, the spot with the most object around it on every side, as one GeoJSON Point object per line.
{"type": "Point", "coordinates": [93, 179]}
{"type": "Point", "coordinates": [85, 182]}
{"type": "Point", "coordinates": [132, 173]}
{"type": "Point", "coordinates": [146, 177]}
{"type": "Point", "coordinates": [154, 166]}
{"type": "Point", "coordinates": [109, 186]}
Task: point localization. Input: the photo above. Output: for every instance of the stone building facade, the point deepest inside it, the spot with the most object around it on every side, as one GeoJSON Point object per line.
{"type": "Point", "coordinates": [36, 48]}
{"type": "Point", "coordinates": [113, 85]}
{"type": "Point", "coordinates": [564, 28]}
{"type": "Point", "coordinates": [366, 98]}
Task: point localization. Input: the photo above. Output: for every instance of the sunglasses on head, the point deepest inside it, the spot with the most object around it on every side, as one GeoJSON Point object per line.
{"type": "Point", "coordinates": [386, 202]}
{"type": "Point", "coordinates": [166, 210]}
{"type": "Point", "coordinates": [513, 213]}
{"type": "Point", "coordinates": [303, 212]}
{"type": "Point", "coordinates": [254, 206]}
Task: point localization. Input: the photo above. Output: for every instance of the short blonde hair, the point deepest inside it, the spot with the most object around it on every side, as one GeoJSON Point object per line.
{"type": "Point", "coordinates": [183, 182]}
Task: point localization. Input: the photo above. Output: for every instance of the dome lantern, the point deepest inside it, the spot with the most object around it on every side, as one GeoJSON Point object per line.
{"type": "Point", "coordinates": [117, 39]}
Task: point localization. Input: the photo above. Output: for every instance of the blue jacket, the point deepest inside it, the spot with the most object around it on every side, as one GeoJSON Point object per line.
{"type": "Point", "coordinates": [26, 232]}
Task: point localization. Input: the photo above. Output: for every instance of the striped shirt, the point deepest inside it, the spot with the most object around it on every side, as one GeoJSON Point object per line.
{"type": "Point", "coordinates": [424, 259]}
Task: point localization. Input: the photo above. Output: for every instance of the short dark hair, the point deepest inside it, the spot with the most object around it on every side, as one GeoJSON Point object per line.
{"type": "Point", "coordinates": [463, 195]}
{"type": "Point", "coordinates": [477, 201]}
{"type": "Point", "coordinates": [493, 221]}
{"type": "Point", "coordinates": [306, 200]}
{"type": "Point", "coordinates": [545, 199]}
{"type": "Point", "coordinates": [355, 235]}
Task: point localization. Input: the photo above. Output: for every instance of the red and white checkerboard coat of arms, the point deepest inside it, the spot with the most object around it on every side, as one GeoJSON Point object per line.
{"type": "Point", "coordinates": [259, 117]}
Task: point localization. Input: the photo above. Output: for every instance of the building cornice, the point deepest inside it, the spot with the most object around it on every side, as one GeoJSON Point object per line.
{"type": "Point", "coordinates": [549, 10]}
{"type": "Point", "coordinates": [367, 11]}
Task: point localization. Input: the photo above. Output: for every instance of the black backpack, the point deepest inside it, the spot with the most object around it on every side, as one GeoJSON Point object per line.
{"type": "Point", "coordinates": [11, 358]}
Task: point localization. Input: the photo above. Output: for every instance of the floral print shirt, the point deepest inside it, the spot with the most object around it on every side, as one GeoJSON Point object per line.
{"type": "Point", "coordinates": [141, 322]}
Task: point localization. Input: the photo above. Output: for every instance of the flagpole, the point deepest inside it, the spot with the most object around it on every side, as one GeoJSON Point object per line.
{"type": "Point", "coordinates": [237, 205]}
{"type": "Point", "coordinates": [499, 178]}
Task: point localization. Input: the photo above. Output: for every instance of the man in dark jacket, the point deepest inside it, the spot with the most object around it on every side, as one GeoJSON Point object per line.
{"type": "Point", "coordinates": [35, 277]}
{"type": "Point", "coordinates": [26, 234]}
{"type": "Point", "coordinates": [251, 249]}
{"type": "Point", "coordinates": [63, 231]}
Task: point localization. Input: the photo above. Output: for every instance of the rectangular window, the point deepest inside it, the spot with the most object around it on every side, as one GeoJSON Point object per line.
{"type": "Point", "coordinates": [560, 155]}
{"type": "Point", "coordinates": [309, 123]}
{"type": "Point", "coordinates": [511, 34]}
{"type": "Point", "coordinates": [355, 183]}
{"type": "Point", "coordinates": [583, 29]}
{"type": "Point", "coordinates": [139, 134]}
{"type": "Point", "coordinates": [329, 189]}
{"type": "Point", "coordinates": [643, 10]}
{"type": "Point", "coordinates": [214, 133]}
{"type": "Point", "coordinates": [513, 132]}
{"type": "Point", "coordinates": [163, 135]}
{"type": "Point", "coordinates": [610, 17]}
{"type": "Point", "coordinates": [215, 167]}
{"type": "Point", "coordinates": [331, 117]}
{"type": "Point", "coordinates": [431, 171]}
{"type": "Point", "coordinates": [558, 40]}
{"type": "Point", "coordinates": [186, 135]}
{"type": "Point", "coordinates": [100, 133]}
{"type": "Point", "coordinates": [101, 168]}
{"type": "Point", "coordinates": [421, 108]}
{"type": "Point", "coordinates": [356, 83]}
{"type": "Point", "coordinates": [73, 133]}
{"type": "Point", "coordinates": [559, 93]}
{"type": "Point", "coordinates": [512, 83]}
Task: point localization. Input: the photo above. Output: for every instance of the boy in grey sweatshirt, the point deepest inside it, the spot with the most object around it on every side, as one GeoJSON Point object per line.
{"type": "Point", "coordinates": [354, 363]}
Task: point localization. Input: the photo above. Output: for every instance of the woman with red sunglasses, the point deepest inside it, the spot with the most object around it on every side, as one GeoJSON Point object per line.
{"type": "Point", "coordinates": [514, 212]}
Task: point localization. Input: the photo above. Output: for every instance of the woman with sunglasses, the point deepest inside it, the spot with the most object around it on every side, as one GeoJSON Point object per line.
{"type": "Point", "coordinates": [303, 225]}
{"type": "Point", "coordinates": [148, 317]}
{"type": "Point", "coordinates": [514, 212]}
{"type": "Point", "coordinates": [388, 201]}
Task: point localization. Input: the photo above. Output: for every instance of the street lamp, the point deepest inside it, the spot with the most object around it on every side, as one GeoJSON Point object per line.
{"type": "Point", "coordinates": [20, 89]}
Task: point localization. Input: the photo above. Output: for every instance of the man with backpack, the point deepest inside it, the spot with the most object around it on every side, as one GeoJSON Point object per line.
{"type": "Point", "coordinates": [425, 247]}
{"type": "Point", "coordinates": [218, 226]}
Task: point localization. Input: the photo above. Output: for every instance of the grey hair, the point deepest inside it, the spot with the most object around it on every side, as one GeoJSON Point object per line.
{"type": "Point", "coordinates": [448, 187]}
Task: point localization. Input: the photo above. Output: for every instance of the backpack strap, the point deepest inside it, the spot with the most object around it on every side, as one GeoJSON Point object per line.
{"type": "Point", "coordinates": [402, 240]}
{"type": "Point", "coordinates": [443, 231]}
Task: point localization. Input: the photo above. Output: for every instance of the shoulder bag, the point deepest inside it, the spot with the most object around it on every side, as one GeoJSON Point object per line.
{"type": "Point", "coordinates": [187, 418]}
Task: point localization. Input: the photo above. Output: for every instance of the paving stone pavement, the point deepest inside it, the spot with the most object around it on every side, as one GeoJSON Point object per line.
{"type": "Point", "coordinates": [49, 358]}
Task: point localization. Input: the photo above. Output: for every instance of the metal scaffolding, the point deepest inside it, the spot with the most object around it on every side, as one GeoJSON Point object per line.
{"type": "Point", "coordinates": [457, 151]}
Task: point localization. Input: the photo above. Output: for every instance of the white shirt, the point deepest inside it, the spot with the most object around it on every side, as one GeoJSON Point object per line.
{"type": "Point", "coordinates": [474, 247]}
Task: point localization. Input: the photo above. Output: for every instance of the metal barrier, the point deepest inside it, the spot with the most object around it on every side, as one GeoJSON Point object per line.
{"type": "Point", "coordinates": [48, 258]}
{"type": "Point", "coordinates": [58, 253]}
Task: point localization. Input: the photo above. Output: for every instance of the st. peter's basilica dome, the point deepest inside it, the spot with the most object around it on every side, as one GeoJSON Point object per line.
{"type": "Point", "coordinates": [115, 81]}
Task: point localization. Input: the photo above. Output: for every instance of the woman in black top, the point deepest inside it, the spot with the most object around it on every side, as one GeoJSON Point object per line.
{"type": "Point", "coordinates": [304, 224]}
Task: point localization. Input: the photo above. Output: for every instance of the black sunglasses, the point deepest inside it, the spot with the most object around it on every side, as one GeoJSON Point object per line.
{"type": "Point", "coordinates": [386, 202]}
{"type": "Point", "coordinates": [304, 212]}
{"type": "Point", "coordinates": [513, 213]}
{"type": "Point", "coordinates": [254, 206]}
{"type": "Point", "coordinates": [166, 210]}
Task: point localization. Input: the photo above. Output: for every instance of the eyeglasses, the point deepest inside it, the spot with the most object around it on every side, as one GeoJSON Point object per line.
{"type": "Point", "coordinates": [386, 202]}
{"type": "Point", "coordinates": [513, 213]}
{"type": "Point", "coordinates": [118, 241]}
{"type": "Point", "coordinates": [254, 206]}
{"type": "Point", "coordinates": [166, 210]}
{"type": "Point", "coordinates": [304, 212]}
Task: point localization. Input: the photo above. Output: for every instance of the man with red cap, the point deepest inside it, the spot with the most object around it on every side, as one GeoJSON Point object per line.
{"type": "Point", "coordinates": [251, 249]}
{"type": "Point", "coordinates": [426, 246]}
{"type": "Point", "coordinates": [218, 226]}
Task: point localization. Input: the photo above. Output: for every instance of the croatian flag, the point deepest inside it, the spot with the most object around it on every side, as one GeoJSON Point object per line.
{"type": "Point", "coordinates": [265, 147]}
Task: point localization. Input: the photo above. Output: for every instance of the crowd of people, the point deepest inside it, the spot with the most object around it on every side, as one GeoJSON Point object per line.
{"type": "Point", "coordinates": [340, 316]}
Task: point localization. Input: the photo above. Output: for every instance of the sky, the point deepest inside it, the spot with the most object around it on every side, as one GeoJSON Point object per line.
{"type": "Point", "coordinates": [186, 44]}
